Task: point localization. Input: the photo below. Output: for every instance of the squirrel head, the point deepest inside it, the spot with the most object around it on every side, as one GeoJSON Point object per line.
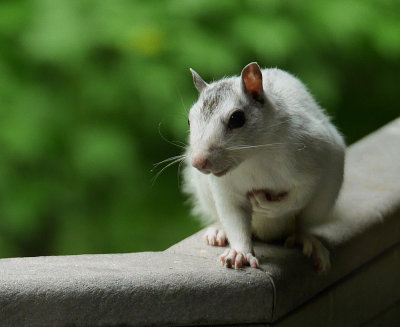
{"type": "Point", "coordinates": [227, 120]}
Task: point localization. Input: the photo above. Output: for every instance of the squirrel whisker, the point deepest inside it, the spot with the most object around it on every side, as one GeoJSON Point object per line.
{"type": "Point", "coordinates": [179, 159]}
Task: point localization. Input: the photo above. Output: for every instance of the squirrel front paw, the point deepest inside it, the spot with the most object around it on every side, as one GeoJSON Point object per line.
{"type": "Point", "coordinates": [266, 202]}
{"type": "Point", "coordinates": [215, 237]}
{"type": "Point", "coordinates": [232, 258]}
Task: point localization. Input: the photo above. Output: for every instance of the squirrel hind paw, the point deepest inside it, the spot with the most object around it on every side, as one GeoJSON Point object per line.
{"type": "Point", "coordinates": [313, 249]}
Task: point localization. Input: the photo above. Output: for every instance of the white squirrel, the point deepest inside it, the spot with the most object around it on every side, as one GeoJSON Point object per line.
{"type": "Point", "coordinates": [263, 159]}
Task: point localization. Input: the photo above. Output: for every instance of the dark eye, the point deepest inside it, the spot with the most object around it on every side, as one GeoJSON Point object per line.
{"type": "Point", "coordinates": [236, 120]}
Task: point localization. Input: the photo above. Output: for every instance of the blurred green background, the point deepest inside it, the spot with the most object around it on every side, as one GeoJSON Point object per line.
{"type": "Point", "coordinates": [84, 85]}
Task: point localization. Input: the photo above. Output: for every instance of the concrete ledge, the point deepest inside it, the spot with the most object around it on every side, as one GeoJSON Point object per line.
{"type": "Point", "coordinates": [128, 289]}
{"type": "Point", "coordinates": [364, 296]}
{"type": "Point", "coordinates": [185, 285]}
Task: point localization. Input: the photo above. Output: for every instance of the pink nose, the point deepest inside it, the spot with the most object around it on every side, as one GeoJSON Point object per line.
{"type": "Point", "coordinates": [201, 163]}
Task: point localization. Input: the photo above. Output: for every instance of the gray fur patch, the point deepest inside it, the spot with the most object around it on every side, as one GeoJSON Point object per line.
{"type": "Point", "coordinates": [211, 103]}
{"type": "Point", "coordinates": [214, 96]}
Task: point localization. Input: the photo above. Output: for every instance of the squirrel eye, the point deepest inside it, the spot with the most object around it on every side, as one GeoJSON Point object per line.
{"type": "Point", "coordinates": [236, 120]}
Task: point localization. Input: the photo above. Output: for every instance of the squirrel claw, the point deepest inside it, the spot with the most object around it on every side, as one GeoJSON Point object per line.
{"type": "Point", "coordinates": [215, 237]}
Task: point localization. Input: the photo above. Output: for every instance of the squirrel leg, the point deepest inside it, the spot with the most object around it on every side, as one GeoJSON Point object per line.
{"type": "Point", "coordinates": [236, 221]}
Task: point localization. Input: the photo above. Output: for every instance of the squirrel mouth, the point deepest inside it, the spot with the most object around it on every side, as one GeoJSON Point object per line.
{"type": "Point", "coordinates": [221, 173]}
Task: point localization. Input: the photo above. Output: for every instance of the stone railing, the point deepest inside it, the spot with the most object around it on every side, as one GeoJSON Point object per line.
{"type": "Point", "coordinates": [185, 285]}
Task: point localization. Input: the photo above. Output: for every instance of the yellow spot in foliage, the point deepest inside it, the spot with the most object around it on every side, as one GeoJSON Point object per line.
{"type": "Point", "coordinates": [146, 40]}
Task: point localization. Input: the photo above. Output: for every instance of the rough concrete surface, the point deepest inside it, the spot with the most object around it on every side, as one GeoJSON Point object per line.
{"type": "Point", "coordinates": [133, 289]}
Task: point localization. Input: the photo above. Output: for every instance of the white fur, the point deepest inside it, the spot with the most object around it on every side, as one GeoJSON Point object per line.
{"type": "Point", "coordinates": [292, 147]}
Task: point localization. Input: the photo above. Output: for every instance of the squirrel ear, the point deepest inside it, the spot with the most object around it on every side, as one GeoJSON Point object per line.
{"type": "Point", "coordinates": [252, 84]}
{"type": "Point", "coordinates": [198, 81]}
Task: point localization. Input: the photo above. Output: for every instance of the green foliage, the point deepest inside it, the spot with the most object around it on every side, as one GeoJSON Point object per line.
{"type": "Point", "coordinates": [84, 85]}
